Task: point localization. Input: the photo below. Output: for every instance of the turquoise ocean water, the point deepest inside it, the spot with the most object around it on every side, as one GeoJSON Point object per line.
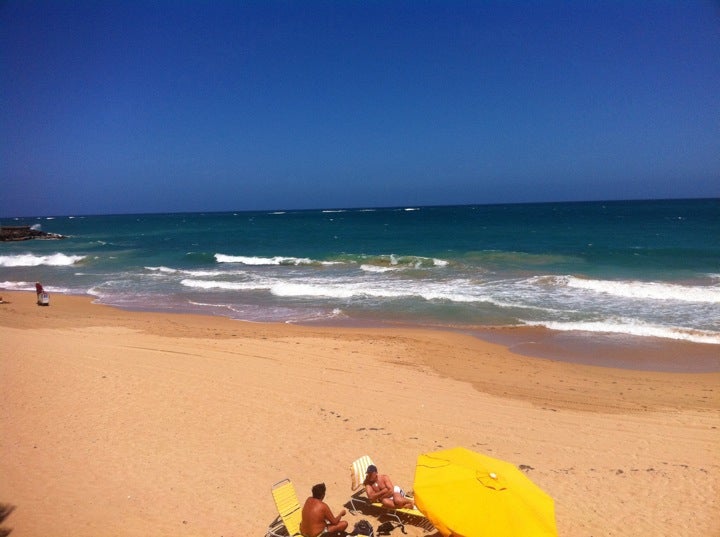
{"type": "Point", "coordinates": [645, 269]}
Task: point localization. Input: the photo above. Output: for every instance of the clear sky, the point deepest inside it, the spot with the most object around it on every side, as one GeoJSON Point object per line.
{"type": "Point", "coordinates": [121, 106]}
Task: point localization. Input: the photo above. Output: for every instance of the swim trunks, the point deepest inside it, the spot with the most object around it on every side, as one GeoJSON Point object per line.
{"type": "Point", "coordinates": [323, 532]}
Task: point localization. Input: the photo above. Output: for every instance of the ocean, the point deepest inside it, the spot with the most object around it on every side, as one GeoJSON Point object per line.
{"type": "Point", "coordinates": [640, 269]}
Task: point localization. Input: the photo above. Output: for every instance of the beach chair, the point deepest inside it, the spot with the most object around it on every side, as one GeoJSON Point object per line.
{"type": "Point", "coordinates": [289, 510]}
{"type": "Point", "coordinates": [358, 498]}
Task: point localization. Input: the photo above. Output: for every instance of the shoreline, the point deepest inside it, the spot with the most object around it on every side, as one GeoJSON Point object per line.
{"type": "Point", "coordinates": [126, 423]}
{"type": "Point", "coordinates": [608, 350]}
{"type": "Point", "coordinates": [505, 351]}
{"type": "Point", "coordinates": [619, 351]}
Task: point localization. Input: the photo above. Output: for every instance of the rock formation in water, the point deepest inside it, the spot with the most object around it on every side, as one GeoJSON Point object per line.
{"type": "Point", "coordinates": [24, 233]}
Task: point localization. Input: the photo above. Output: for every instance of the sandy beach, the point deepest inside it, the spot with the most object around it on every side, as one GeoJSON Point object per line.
{"type": "Point", "coordinates": [120, 423]}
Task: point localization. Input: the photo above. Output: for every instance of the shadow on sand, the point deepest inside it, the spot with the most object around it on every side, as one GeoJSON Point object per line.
{"type": "Point", "coordinates": [5, 510]}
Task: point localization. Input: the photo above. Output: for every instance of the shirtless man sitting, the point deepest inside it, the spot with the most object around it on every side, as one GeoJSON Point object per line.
{"type": "Point", "coordinates": [379, 488]}
{"type": "Point", "coordinates": [317, 519]}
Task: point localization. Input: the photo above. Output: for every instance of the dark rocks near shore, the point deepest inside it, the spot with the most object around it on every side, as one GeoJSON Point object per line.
{"type": "Point", "coordinates": [24, 233]}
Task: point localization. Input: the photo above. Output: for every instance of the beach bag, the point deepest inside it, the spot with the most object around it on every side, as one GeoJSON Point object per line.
{"type": "Point", "coordinates": [363, 527]}
{"type": "Point", "coordinates": [386, 528]}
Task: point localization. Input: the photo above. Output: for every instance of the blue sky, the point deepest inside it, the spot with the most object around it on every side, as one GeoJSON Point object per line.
{"type": "Point", "coordinates": [154, 106]}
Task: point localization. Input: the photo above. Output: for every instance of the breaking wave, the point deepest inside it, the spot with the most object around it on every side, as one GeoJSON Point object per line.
{"type": "Point", "coordinates": [276, 260]}
{"type": "Point", "coordinates": [634, 328]}
{"type": "Point", "coordinates": [645, 290]}
{"type": "Point", "coordinates": [31, 260]}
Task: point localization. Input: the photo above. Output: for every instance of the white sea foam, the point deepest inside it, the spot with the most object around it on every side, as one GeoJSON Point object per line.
{"type": "Point", "coordinates": [642, 290]}
{"type": "Point", "coordinates": [417, 262]}
{"type": "Point", "coordinates": [212, 273]}
{"type": "Point", "coordinates": [166, 270]}
{"type": "Point", "coordinates": [634, 328]}
{"type": "Point", "coordinates": [457, 290]}
{"type": "Point", "coordinates": [307, 316]}
{"type": "Point", "coordinates": [277, 260]}
{"type": "Point", "coordinates": [377, 269]}
{"type": "Point", "coordinates": [31, 260]}
{"type": "Point", "coordinates": [287, 289]}
{"type": "Point", "coordinates": [17, 286]}
{"type": "Point", "coordinates": [196, 273]}
{"type": "Point", "coordinates": [214, 284]}
{"type": "Point", "coordinates": [210, 305]}
{"type": "Point", "coordinates": [398, 262]}
{"type": "Point", "coordinates": [30, 286]}
{"type": "Point", "coordinates": [345, 290]}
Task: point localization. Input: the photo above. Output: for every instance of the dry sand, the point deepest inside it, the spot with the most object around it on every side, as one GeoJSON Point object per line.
{"type": "Point", "coordinates": [122, 423]}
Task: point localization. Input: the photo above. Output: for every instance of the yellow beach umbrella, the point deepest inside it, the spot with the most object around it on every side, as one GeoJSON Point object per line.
{"type": "Point", "coordinates": [466, 494]}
